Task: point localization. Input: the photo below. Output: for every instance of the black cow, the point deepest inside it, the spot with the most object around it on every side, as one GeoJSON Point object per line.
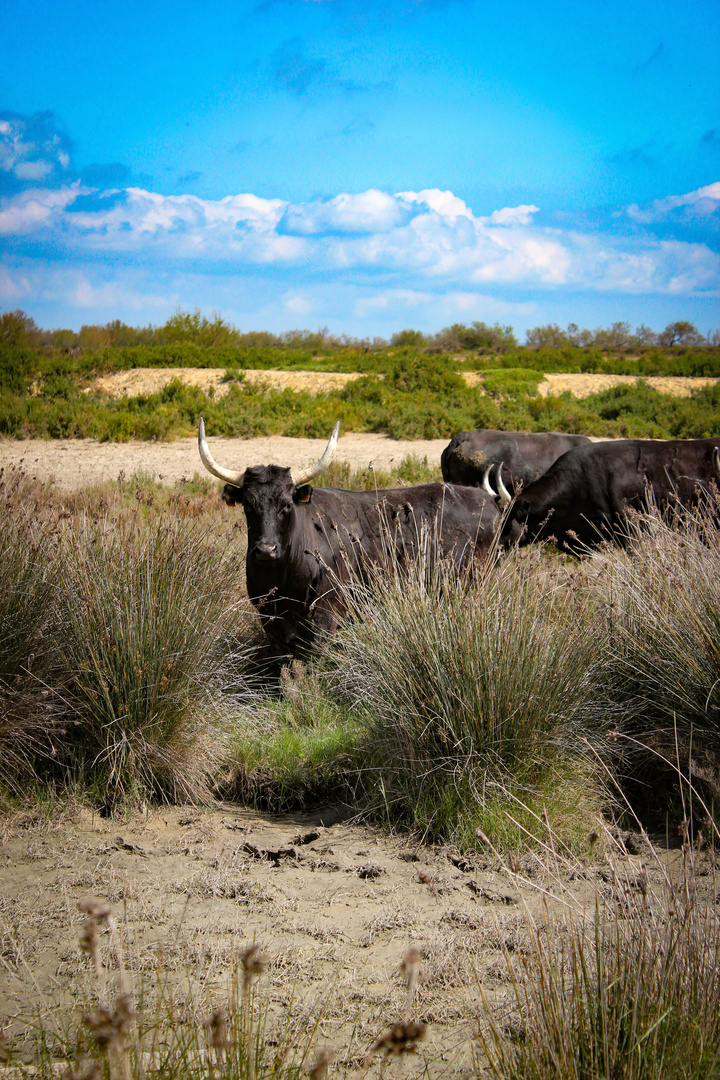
{"type": "Point", "coordinates": [517, 456]}
{"type": "Point", "coordinates": [582, 499]}
{"type": "Point", "coordinates": [303, 541]}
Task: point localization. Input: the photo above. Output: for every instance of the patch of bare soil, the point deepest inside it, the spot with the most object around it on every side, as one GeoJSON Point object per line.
{"type": "Point", "coordinates": [335, 904]}
{"type": "Point", "coordinates": [581, 386]}
{"type": "Point", "coordinates": [151, 380]}
{"type": "Point", "coordinates": [75, 463]}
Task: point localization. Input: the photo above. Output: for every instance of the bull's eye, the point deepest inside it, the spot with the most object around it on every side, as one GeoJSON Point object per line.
{"type": "Point", "coordinates": [285, 510]}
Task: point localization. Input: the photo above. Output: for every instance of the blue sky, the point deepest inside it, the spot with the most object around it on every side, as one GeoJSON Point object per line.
{"type": "Point", "coordinates": [361, 166]}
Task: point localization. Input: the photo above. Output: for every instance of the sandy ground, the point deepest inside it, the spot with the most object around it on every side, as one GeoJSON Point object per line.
{"type": "Point", "coordinates": [74, 463]}
{"type": "Point", "coordinates": [150, 380]}
{"type": "Point", "coordinates": [334, 903]}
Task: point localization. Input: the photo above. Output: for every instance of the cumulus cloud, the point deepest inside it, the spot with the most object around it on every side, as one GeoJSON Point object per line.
{"type": "Point", "coordinates": [367, 212]}
{"type": "Point", "coordinates": [694, 206]}
{"type": "Point", "coordinates": [411, 241]}
{"type": "Point", "coordinates": [33, 149]}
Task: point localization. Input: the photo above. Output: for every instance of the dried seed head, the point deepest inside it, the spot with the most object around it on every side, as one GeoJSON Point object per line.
{"type": "Point", "coordinates": [89, 938]}
{"type": "Point", "coordinates": [254, 960]}
{"type": "Point", "coordinates": [109, 1028]}
{"type": "Point", "coordinates": [96, 909]}
{"type": "Point", "coordinates": [593, 839]}
{"type": "Point", "coordinates": [642, 880]}
{"type": "Point", "coordinates": [219, 1036]}
{"type": "Point", "coordinates": [410, 963]}
{"type": "Point", "coordinates": [401, 1038]}
{"type": "Point", "coordinates": [319, 1070]}
{"type": "Point", "coordinates": [85, 1069]}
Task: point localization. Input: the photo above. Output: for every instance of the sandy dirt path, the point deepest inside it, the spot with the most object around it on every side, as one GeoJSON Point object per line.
{"type": "Point", "coordinates": [74, 463]}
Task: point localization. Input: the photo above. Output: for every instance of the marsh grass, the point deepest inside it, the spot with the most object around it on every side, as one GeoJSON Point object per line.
{"type": "Point", "coordinates": [478, 689]}
{"type": "Point", "coordinates": [300, 748]}
{"type": "Point", "coordinates": [629, 988]}
{"type": "Point", "coordinates": [29, 713]}
{"type": "Point", "coordinates": [131, 1025]}
{"type": "Point", "coordinates": [126, 643]}
{"type": "Point", "coordinates": [147, 626]}
{"type": "Point", "coordinates": [661, 657]}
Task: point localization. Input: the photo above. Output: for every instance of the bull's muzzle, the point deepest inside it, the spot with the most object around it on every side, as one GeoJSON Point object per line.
{"type": "Point", "coordinates": [265, 552]}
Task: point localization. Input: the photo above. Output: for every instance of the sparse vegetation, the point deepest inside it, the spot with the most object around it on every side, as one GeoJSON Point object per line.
{"type": "Point", "coordinates": [410, 388]}
{"type": "Point", "coordinates": [630, 989]}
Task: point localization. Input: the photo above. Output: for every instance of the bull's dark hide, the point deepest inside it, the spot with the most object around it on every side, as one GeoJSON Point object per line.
{"type": "Point", "coordinates": [584, 496]}
{"type": "Point", "coordinates": [302, 541]}
{"type": "Point", "coordinates": [524, 456]}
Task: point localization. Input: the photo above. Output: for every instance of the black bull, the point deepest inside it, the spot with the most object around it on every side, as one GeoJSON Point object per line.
{"type": "Point", "coordinates": [522, 456]}
{"type": "Point", "coordinates": [584, 496]}
{"type": "Point", "coordinates": [304, 541]}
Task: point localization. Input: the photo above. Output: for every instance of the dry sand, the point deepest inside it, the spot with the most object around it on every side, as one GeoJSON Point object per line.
{"type": "Point", "coordinates": [335, 904]}
{"type": "Point", "coordinates": [151, 380]}
{"type": "Point", "coordinates": [74, 463]}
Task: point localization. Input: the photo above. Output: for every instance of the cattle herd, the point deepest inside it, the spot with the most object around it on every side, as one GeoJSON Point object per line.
{"type": "Point", "coordinates": [304, 542]}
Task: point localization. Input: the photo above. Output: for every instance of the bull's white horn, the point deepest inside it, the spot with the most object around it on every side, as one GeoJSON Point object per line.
{"type": "Point", "coordinates": [716, 462]}
{"type": "Point", "coordinates": [486, 482]}
{"type": "Point", "coordinates": [321, 465]}
{"type": "Point", "coordinates": [207, 460]}
{"type": "Point", "coordinates": [505, 496]}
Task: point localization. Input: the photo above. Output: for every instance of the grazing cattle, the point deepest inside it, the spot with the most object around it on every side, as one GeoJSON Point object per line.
{"type": "Point", "coordinates": [582, 499]}
{"type": "Point", "coordinates": [304, 541]}
{"type": "Point", "coordinates": [517, 456]}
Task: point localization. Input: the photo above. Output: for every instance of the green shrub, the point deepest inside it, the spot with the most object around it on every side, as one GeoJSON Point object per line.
{"type": "Point", "coordinates": [475, 692]}
{"type": "Point", "coordinates": [30, 722]}
{"type": "Point", "coordinates": [661, 661]}
{"type": "Point", "coordinates": [148, 622]}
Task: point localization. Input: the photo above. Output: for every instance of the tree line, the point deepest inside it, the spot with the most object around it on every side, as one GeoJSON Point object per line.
{"type": "Point", "coordinates": [16, 327]}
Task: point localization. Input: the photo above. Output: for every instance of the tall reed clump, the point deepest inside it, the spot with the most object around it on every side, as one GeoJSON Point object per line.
{"type": "Point", "coordinates": [661, 657]}
{"type": "Point", "coordinates": [478, 693]}
{"type": "Point", "coordinates": [29, 716]}
{"type": "Point", "coordinates": [152, 630]}
{"type": "Point", "coordinates": [635, 996]}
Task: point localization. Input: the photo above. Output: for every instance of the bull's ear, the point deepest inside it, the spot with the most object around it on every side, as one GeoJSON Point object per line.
{"type": "Point", "coordinates": [303, 494]}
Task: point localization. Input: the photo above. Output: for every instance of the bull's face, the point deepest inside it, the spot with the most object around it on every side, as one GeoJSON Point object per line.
{"type": "Point", "coordinates": [270, 499]}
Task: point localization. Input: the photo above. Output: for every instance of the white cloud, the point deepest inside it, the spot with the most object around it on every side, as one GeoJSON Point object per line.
{"type": "Point", "coordinates": [397, 245]}
{"type": "Point", "coordinates": [35, 210]}
{"type": "Point", "coordinates": [442, 202]}
{"type": "Point", "coordinates": [32, 148]}
{"type": "Point", "coordinates": [367, 212]}
{"type": "Point", "coordinates": [700, 204]}
{"type": "Point", "coordinates": [513, 215]}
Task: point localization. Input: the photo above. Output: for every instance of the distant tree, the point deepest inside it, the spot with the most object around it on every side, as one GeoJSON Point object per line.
{"type": "Point", "coordinates": [63, 339]}
{"type": "Point", "coordinates": [197, 329]}
{"type": "Point", "coordinates": [617, 336]}
{"type": "Point", "coordinates": [681, 333]}
{"type": "Point", "coordinates": [408, 337]}
{"type": "Point", "coordinates": [17, 328]}
{"type": "Point", "coordinates": [93, 338]}
{"type": "Point", "coordinates": [477, 336]}
{"type": "Point", "coordinates": [546, 337]}
{"type": "Point", "coordinates": [577, 336]}
{"type": "Point", "coordinates": [646, 336]}
{"type": "Point", "coordinates": [713, 338]}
